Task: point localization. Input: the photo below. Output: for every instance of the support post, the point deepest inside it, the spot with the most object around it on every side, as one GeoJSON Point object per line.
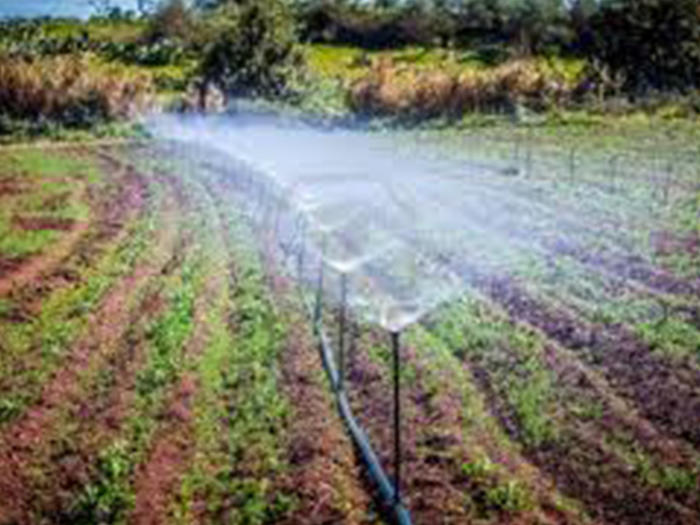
{"type": "Point", "coordinates": [302, 254]}
{"type": "Point", "coordinates": [613, 174]}
{"type": "Point", "coordinates": [319, 287]}
{"type": "Point", "coordinates": [396, 345]}
{"type": "Point", "coordinates": [278, 219]}
{"type": "Point", "coordinates": [667, 182]}
{"type": "Point", "coordinates": [341, 329]}
{"type": "Point", "coordinates": [528, 160]}
{"type": "Point", "coordinates": [572, 165]}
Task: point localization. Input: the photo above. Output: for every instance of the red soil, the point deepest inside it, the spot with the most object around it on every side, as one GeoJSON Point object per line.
{"type": "Point", "coordinates": [157, 481]}
{"type": "Point", "coordinates": [44, 223]}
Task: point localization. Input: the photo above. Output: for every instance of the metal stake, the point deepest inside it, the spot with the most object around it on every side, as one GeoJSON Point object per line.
{"type": "Point", "coordinates": [613, 175]}
{"type": "Point", "coordinates": [667, 182]}
{"type": "Point", "coordinates": [302, 253]}
{"type": "Point", "coordinates": [319, 288]}
{"type": "Point", "coordinates": [572, 164]}
{"type": "Point", "coordinates": [341, 330]}
{"type": "Point", "coordinates": [396, 344]}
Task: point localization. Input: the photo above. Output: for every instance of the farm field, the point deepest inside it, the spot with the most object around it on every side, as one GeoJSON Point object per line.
{"type": "Point", "coordinates": [157, 364]}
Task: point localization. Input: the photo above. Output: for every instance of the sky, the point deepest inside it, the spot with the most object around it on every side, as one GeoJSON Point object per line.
{"type": "Point", "coordinates": [57, 8]}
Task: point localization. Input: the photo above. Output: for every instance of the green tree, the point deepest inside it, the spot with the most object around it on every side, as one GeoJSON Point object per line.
{"type": "Point", "coordinates": [654, 44]}
{"type": "Point", "coordinates": [172, 20]}
{"type": "Point", "coordinates": [532, 24]}
{"type": "Point", "coordinates": [250, 48]}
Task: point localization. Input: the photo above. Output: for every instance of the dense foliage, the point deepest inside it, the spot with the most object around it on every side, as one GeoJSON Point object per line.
{"type": "Point", "coordinates": [472, 55]}
{"type": "Point", "coordinates": [654, 44]}
{"type": "Point", "coordinates": [251, 48]}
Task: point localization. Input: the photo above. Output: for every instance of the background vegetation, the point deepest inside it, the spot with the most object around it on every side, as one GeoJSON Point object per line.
{"type": "Point", "coordinates": [406, 59]}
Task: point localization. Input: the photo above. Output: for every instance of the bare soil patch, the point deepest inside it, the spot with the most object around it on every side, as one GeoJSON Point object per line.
{"type": "Point", "coordinates": [43, 223]}
{"type": "Point", "coordinates": [9, 264]}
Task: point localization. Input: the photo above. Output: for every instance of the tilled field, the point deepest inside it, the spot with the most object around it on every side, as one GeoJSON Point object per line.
{"type": "Point", "coordinates": [141, 369]}
{"type": "Point", "coordinates": [156, 368]}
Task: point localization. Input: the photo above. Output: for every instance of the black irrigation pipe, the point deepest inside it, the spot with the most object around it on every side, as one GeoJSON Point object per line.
{"type": "Point", "coordinates": [390, 494]}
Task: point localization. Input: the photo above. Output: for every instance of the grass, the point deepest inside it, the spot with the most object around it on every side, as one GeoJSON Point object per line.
{"type": "Point", "coordinates": [48, 196]}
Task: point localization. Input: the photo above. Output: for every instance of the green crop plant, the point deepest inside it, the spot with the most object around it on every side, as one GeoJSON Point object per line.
{"type": "Point", "coordinates": [106, 499]}
{"type": "Point", "coordinates": [479, 468]}
{"type": "Point", "coordinates": [166, 337]}
{"type": "Point", "coordinates": [509, 497]}
{"type": "Point", "coordinates": [672, 337]}
{"type": "Point", "coordinates": [63, 317]}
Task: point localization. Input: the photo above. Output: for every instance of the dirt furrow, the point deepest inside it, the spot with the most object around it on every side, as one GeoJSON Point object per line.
{"type": "Point", "coordinates": [324, 473]}
{"type": "Point", "coordinates": [668, 394]}
{"type": "Point", "coordinates": [157, 479]}
{"type": "Point", "coordinates": [584, 468]}
{"type": "Point", "coordinates": [434, 485]}
{"type": "Point", "coordinates": [29, 440]}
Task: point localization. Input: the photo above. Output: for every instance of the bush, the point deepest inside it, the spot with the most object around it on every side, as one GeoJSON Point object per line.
{"type": "Point", "coordinates": [67, 91]}
{"type": "Point", "coordinates": [252, 50]}
{"type": "Point", "coordinates": [410, 92]}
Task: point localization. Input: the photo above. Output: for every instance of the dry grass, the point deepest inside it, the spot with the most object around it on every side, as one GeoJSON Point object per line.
{"type": "Point", "coordinates": [69, 91]}
{"type": "Point", "coordinates": [388, 89]}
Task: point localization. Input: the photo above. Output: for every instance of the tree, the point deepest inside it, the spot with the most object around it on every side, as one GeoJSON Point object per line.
{"type": "Point", "coordinates": [531, 24]}
{"type": "Point", "coordinates": [581, 14]}
{"type": "Point", "coordinates": [251, 48]}
{"type": "Point", "coordinates": [172, 20]}
{"type": "Point", "coordinates": [655, 44]}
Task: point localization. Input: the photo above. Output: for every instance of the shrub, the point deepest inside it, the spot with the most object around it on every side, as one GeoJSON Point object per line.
{"type": "Point", "coordinates": [401, 91]}
{"type": "Point", "coordinates": [67, 91]}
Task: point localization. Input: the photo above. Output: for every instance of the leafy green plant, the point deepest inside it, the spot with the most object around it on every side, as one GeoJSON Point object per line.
{"type": "Point", "coordinates": [509, 497]}
{"type": "Point", "coordinates": [107, 499]}
{"type": "Point", "coordinates": [479, 468]}
{"type": "Point", "coordinates": [167, 337]}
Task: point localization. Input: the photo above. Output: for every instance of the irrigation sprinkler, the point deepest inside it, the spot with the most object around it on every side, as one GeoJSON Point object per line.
{"type": "Point", "coordinates": [396, 346]}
